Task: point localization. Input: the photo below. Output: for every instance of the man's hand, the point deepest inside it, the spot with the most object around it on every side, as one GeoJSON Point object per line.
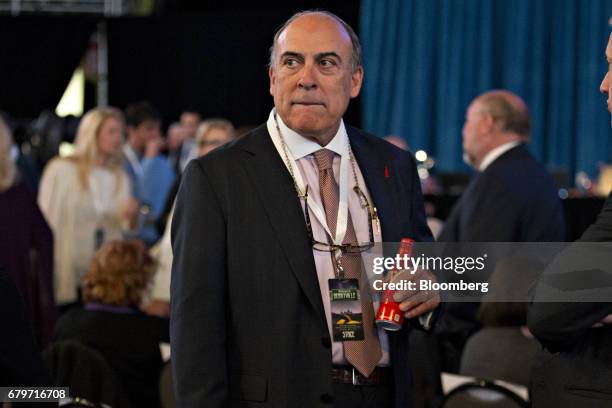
{"type": "Point", "coordinates": [154, 146]}
{"type": "Point", "coordinates": [416, 302]}
{"type": "Point", "coordinates": [176, 137]}
{"type": "Point", "coordinates": [605, 321]}
{"type": "Point", "coordinates": [129, 211]}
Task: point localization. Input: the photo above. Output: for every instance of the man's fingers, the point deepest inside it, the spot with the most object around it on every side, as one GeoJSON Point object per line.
{"type": "Point", "coordinates": [416, 299]}
{"type": "Point", "coordinates": [607, 319]}
{"type": "Point", "coordinates": [425, 307]}
{"type": "Point", "coordinates": [404, 295]}
{"type": "Point", "coordinates": [413, 278]}
{"type": "Point", "coordinates": [416, 302]}
{"type": "Point", "coordinates": [406, 275]}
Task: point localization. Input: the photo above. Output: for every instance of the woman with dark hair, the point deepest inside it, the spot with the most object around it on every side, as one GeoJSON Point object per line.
{"type": "Point", "coordinates": [112, 323]}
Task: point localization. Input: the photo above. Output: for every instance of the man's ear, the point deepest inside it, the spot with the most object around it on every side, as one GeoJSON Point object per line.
{"type": "Point", "coordinates": [272, 76]}
{"type": "Point", "coordinates": [356, 81]}
{"type": "Point", "coordinates": [487, 123]}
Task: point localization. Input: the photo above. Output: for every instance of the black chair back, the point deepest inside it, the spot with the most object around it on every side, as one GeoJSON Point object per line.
{"type": "Point", "coordinates": [482, 394]}
{"type": "Point", "coordinates": [87, 374]}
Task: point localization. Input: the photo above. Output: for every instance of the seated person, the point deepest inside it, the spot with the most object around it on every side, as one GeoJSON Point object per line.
{"type": "Point", "coordinates": [504, 349]}
{"type": "Point", "coordinates": [112, 322]}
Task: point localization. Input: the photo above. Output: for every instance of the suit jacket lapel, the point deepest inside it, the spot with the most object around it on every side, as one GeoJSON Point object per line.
{"type": "Point", "coordinates": [382, 189]}
{"type": "Point", "coordinates": [283, 208]}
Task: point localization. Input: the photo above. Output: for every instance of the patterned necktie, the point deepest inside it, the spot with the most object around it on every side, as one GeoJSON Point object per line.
{"type": "Point", "coordinates": [361, 354]}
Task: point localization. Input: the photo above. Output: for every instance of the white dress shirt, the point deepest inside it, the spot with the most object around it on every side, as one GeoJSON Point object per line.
{"type": "Point", "coordinates": [302, 149]}
{"type": "Point", "coordinates": [495, 153]}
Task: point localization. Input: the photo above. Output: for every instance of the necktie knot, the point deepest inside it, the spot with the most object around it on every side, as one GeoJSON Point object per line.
{"type": "Point", "coordinates": [324, 159]}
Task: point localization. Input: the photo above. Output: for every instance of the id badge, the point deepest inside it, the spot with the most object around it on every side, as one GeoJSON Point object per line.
{"type": "Point", "coordinates": [346, 312]}
{"type": "Point", "coordinates": [98, 238]}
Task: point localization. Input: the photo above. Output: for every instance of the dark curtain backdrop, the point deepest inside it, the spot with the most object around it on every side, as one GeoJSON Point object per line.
{"type": "Point", "coordinates": [208, 56]}
{"type": "Point", "coordinates": [214, 61]}
{"type": "Point", "coordinates": [426, 60]}
{"type": "Point", "coordinates": [38, 56]}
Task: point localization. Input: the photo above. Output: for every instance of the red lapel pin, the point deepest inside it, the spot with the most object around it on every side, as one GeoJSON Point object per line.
{"type": "Point", "coordinates": [386, 171]}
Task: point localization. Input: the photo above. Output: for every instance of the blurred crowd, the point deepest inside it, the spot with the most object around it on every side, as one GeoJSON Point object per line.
{"type": "Point", "coordinates": [85, 237]}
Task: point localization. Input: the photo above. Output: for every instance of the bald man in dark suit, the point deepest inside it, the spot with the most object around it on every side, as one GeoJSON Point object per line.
{"type": "Point", "coordinates": [250, 321]}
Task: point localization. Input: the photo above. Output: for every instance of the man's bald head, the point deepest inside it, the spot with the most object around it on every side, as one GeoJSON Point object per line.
{"type": "Point", "coordinates": [493, 119]}
{"type": "Point", "coordinates": [356, 45]}
{"type": "Point", "coordinates": [507, 110]}
{"type": "Point", "coordinates": [314, 74]}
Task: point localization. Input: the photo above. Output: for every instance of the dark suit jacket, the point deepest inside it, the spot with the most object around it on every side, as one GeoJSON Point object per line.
{"type": "Point", "coordinates": [513, 200]}
{"type": "Point", "coordinates": [579, 373]}
{"type": "Point", "coordinates": [247, 323]}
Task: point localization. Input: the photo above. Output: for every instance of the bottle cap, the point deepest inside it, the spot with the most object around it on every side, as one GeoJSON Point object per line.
{"type": "Point", "coordinates": [406, 246]}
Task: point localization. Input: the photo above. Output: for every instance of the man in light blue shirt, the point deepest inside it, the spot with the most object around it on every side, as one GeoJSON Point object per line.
{"type": "Point", "coordinates": [150, 172]}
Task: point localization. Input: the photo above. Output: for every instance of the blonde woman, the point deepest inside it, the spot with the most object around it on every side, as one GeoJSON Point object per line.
{"type": "Point", "coordinates": [26, 243]}
{"type": "Point", "coordinates": [86, 198]}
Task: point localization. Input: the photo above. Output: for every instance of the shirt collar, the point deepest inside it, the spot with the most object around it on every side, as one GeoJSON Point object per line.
{"type": "Point", "coordinates": [129, 151]}
{"type": "Point", "coordinates": [302, 147]}
{"type": "Point", "coordinates": [495, 153]}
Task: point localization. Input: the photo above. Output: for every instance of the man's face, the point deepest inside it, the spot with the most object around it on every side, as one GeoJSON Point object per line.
{"type": "Point", "coordinates": [190, 122]}
{"type": "Point", "coordinates": [311, 79]}
{"type": "Point", "coordinates": [175, 136]}
{"type": "Point", "coordinates": [145, 132]}
{"type": "Point", "coordinates": [606, 84]}
{"type": "Point", "coordinates": [472, 134]}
